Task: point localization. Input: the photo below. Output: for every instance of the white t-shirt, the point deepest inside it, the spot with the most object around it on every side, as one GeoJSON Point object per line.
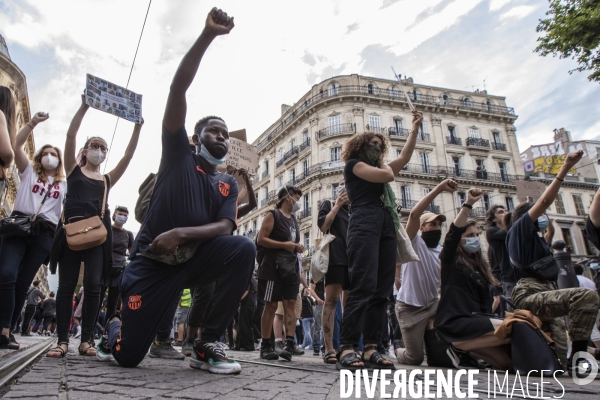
{"type": "Point", "coordinates": [420, 280]}
{"type": "Point", "coordinates": [31, 192]}
{"type": "Point", "coordinates": [586, 282]}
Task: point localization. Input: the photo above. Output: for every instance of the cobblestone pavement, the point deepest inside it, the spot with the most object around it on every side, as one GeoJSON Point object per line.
{"type": "Point", "coordinates": [77, 377]}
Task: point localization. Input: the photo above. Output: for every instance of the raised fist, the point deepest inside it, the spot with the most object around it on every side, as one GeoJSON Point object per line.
{"type": "Point", "coordinates": [449, 185]}
{"type": "Point", "coordinates": [218, 23]}
{"type": "Point", "coordinates": [473, 195]}
{"type": "Point", "coordinates": [574, 157]}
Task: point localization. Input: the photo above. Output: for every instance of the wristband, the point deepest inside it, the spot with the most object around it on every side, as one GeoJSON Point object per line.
{"type": "Point", "coordinates": [556, 177]}
{"type": "Point", "coordinates": [467, 205]}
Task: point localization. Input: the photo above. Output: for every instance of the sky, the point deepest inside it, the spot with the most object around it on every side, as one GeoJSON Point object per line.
{"type": "Point", "coordinates": [275, 53]}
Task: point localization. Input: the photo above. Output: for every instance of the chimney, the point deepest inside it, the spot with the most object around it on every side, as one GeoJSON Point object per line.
{"type": "Point", "coordinates": [285, 108]}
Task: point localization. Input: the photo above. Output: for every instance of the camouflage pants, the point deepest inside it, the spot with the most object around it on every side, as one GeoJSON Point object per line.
{"type": "Point", "coordinates": [551, 305]}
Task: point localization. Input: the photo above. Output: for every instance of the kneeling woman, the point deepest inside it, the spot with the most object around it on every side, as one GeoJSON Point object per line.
{"type": "Point", "coordinates": [466, 280]}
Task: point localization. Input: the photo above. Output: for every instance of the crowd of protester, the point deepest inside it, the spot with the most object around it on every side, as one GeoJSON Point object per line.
{"type": "Point", "coordinates": [188, 287]}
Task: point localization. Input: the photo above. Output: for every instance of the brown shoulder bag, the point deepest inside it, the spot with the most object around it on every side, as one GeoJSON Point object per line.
{"type": "Point", "coordinates": [86, 233]}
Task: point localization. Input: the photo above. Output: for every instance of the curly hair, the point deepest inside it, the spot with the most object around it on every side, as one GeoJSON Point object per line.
{"type": "Point", "coordinates": [355, 147]}
{"type": "Point", "coordinates": [490, 215]}
{"type": "Point", "coordinates": [39, 169]}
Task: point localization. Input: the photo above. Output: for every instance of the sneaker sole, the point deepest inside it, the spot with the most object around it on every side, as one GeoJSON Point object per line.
{"type": "Point", "coordinates": [285, 355]}
{"type": "Point", "coordinates": [224, 369]}
{"type": "Point", "coordinates": [270, 357]}
{"type": "Point", "coordinates": [180, 357]}
{"type": "Point", "coordinates": [103, 357]}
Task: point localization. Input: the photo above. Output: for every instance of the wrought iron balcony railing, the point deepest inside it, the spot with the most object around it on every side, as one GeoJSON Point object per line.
{"type": "Point", "coordinates": [410, 204]}
{"type": "Point", "coordinates": [305, 144]}
{"type": "Point", "coordinates": [476, 212]}
{"type": "Point", "coordinates": [478, 142]}
{"type": "Point", "coordinates": [264, 174]}
{"type": "Point", "coordinates": [403, 132]}
{"type": "Point", "coordinates": [304, 213]}
{"type": "Point", "coordinates": [335, 130]}
{"type": "Point", "coordinates": [376, 129]}
{"type": "Point", "coordinates": [499, 146]}
{"type": "Point", "coordinates": [292, 152]}
{"type": "Point", "coordinates": [454, 140]}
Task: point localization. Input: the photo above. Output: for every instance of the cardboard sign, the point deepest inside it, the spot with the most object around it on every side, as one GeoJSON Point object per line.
{"type": "Point", "coordinates": [241, 154]}
{"type": "Point", "coordinates": [531, 189]}
{"type": "Point", "coordinates": [113, 99]}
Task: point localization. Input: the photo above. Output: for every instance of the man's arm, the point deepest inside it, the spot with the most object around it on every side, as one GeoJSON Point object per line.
{"type": "Point", "coordinates": [249, 206]}
{"type": "Point", "coordinates": [167, 242]}
{"type": "Point", "coordinates": [549, 235]}
{"type": "Point", "coordinates": [217, 23]}
{"type": "Point", "coordinates": [414, 219]}
{"type": "Point", "coordinates": [314, 294]}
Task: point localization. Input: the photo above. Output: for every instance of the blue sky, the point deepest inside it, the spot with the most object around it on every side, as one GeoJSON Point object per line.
{"type": "Point", "coordinates": [276, 52]}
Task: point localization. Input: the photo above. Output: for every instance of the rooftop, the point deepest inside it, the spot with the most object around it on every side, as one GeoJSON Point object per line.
{"type": "Point", "coordinates": [4, 47]}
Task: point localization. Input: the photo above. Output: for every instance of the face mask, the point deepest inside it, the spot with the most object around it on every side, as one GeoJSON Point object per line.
{"type": "Point", "coordinates": [432, 238]}
{"type": "Point", "coordinates": [120, 219]}
{"type": "Point", "coordinates": [373, 153]}
{"type": "Point", "coordinates": [472, 245]}
{"type": "Point", "coordinates": [49, 161]}
{"type": "Point", "coordinates": [95, 157]}
{"type": "Point", "coordinates": [542, 223]}
{"type": "Point", "coordinates": [209, 157]}
{"type": "Point", "coordinates": [594, 266]}
{"type": "Point", "coordinates": [296, 206]}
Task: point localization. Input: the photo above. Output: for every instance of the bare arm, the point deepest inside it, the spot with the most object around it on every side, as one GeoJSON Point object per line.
{"type": "Point", "coordinates": [121, 167]}
{"type": "Point", "coordinates": [7, 154]}
{"type": "Point", "coordinates": [217, 23]}
{"type": "Point", "coordinates": [550, 233]}
{"type": "Point", "coordinates": [339, 203]}
{"type": "Point", "coordinates": [409, 146]}
{"type": "Point", "coordinates": [550, 193]}
{"type": "Point", "coordinates": [70, 156]}
{"type": "Point", "coordinates": [314, 294]}
{"type": "Point", "coordinates": [397, 276]}
{"type": "Point", "coordinates": [373, 174]}
{"type": "Point", "coordinates": [595, 210]}
{"type": "Point", "coordinates": [414, 222]}
{"type": "Point", "coordinates": [473, 195]}
{"type": "Point", "coordinates": [244, 209]}
{"type": "Point", "coordinates": [167, 242]}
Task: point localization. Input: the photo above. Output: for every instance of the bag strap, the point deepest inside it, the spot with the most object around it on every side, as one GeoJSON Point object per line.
{"type": "Point", "coordinates": [40, 207]}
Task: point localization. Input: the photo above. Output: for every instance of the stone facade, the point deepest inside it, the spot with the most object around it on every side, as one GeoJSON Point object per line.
{"type": "Point", "coordinates": [461, 132]}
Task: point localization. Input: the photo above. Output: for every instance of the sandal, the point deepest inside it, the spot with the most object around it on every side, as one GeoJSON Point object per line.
{"type": "Point", "coordinates": [376, 360]}
{"type": "Point", "coordinates": [330, 357]}
{"type": "Point", "coordinates": [89, 351]}
{"type": "Point", "coordinates": [58, 349]}
{"type": "Point", "coordinates": [348, 361]}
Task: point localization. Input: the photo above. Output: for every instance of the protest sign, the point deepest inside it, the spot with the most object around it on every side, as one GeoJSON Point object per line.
{"type": "Point", "coordinates": [531, 189]}
{"type": "Point", "coordinates": [241, 154]}
{"type": "Point", "coordinates": [113, 99]}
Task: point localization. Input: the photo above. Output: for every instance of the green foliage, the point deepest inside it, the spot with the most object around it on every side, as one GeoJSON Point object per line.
{"type": "Point", "coordinates": [573, 31]}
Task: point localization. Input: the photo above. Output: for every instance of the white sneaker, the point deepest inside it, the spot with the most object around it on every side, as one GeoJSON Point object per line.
{"type": "Point", "coordinates": [78, 334]}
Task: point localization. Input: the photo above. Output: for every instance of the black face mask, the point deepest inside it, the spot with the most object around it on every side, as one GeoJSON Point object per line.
{"type": "Point", "coordinates": [432, 238]}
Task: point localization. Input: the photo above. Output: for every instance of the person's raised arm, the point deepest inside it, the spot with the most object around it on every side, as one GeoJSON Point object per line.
{"type": "Point", "coordinates": [119, 170]}
{"type": "Point", "coordinates": [473, 195]}
{"type": "Point", "coordinates": [595, 210]}
{"type": "Point", "coordinates": [217, 23]}
{"type": "Point", "coordinates": [409, 146]}
{"type": "Point", "coordinates": [20, 157]}
{"type": "Point", "coordinates": [414, 219]}
{"type": "Point", "coordinates": [547, 198]}
{"type": "Point", "coordinates": [251, 204]}
{"type": "Point", "coordinates": [7, 154]}
{"type": "Point", "coordinates": [549, 235]}
{"type": "Point", "coordinates": [265, 230]}
{"type": "Point", "coordinates": [70, 156]}
{"type": "Point", "coordinates": [342, 199]}
{"type": "Point", "coordinates": [373, 174]}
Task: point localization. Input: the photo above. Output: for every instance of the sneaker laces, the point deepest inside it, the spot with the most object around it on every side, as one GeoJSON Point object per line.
{"type": "Point", "coordinates": [217, 349]}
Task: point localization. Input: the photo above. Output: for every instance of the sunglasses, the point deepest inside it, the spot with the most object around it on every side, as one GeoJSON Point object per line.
{"type": "Point", "coordinates": [96, 146]}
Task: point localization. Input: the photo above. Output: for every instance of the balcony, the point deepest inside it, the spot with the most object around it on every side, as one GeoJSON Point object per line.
{"type": "Point", "coordinates": [477, 142]}
{"type": "Point", "coordinates": [336, 130]}
{"type": "Point", "coordinates": [404, 133]}
{"type": "Point", "coordinates": [454, 140]}
{"type": "Point", "coordinates": [375, 129]}
{"type": "Point", "coordinates": [418, 169]}
{"type": "Point", "coordinates": [499, 146]}
{"type": "Point", "coordinates": [410, 204]}
{"type": "Point", "coordinates": [256, 180]}
{"type": "Point", "coordinates": [288, 156]}
{"type": "Point", "coordinates": [382, 93]}
{"type": "Point", "coordinates": [476, 212]}
{"type": "Point", "coordinates": [305, 145]}
{"type": "Point", "coordinates": [264, 174]}
{"type": "Point", "coordinates": [270, 197]}
{"type": "Point", "coordinates": [304, 213]}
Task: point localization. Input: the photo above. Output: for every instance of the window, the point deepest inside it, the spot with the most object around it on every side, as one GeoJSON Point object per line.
{"type": "Point", "coordinates": [566, 232]}
{"type": "Point", "coordinates": [306, 202]}
{"type": "Point", "coordinates": [374, 123]}
{"type": "Point", "coordinates": [490, 107]}
{"type": "Point", "coordinates": [293, 175]}
{"type": "Point", "coordinates": [416, 95]}
{"type": "Point", "coordinates": [333, 89]}
{"type": "Point", "coordinates": [280, 181]}
{"type": "Point", "coordinates": [468, 102]}
{"type": "Point", "coordinates": [461, 197]}
{"type": "Point", "coordinates": [336, 153]}
{"type": "Point", "coordinates": [306, 240]}
{"type": "Point", "coordinates": [425, 193]}
{"type": "Point", "coordinates": [371, 88]}
{"type": "Point", "coordinates": [304, 137]}
{"type": "Point", "coordinates": [445, 100]}
{"type": "Point", "coordinates": [452, 134]}
{"type": "Point", "coordinates": [279, 154]}
{"type": "Point", "coordinates": [265, 193]}
{"type": "Point", "coordinates": [503, 171]}
{"type": "Point", "coordinates": [474, 133]}
{"type": "Point", "coordinates": [496, 137]}
{"type": "Point", "coordinates": [480, 171]}
{"type": "Point", "coordinates": [559, 204]}
{"type": "Point", "coordinates": [456, 162]}
{"type": "Point", "coordinates": [486, 201]}
{"type": "Point", "coordinates": [335, 124]}
{"type": "Point", "coordinates": [424, 157]}
{"type": "Point", "coordinates": [334, 190]}
{"type": "Point", "coordinates": [393, 91]}
{"type": "Point", "coordinates": [510, 204]}
{"type": "Point", "coordinates": [406, 199]}
{"type": "Point", "coordinates": [254, 226]}
{"type": "Point", "coordinates": [423, 127]}
{"type": "Point", "coordinates": [306, 167]}
{"type": "Point", "coordinates": [266, 164]}
{"type": "Point", "coordinates": [398, 126]}
{"type": "Point", "coordinates": [579, 208]}
{"type": "Point", "coordinates": [292, 144]}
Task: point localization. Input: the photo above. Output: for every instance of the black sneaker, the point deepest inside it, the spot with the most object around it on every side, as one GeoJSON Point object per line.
{"type": "Point", "coordinates": [267, 351]}
{"type": "Point", "coordinates": [164, 350]}
{"type": "Point", "coordinates": [288, 350]}
{"type": "Point", "coordinates": [211, 357]}
{"type": "Point", "coordinates": [103, 352]}
{"type": "Point", "coordinates": [6, 344]}
{"type": "Point", "coordinates": [13, 342]}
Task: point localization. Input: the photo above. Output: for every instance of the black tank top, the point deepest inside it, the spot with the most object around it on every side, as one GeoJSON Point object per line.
{"type": "Point", "coordinates": [82, 188]}
{"type": "Point", "coordinates": [284, 230]}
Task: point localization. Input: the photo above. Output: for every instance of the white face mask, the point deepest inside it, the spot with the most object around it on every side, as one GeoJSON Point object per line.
{"type": "Point", "coordinates": [296, 206]}
{"type": "Point", "coordinates": [120, 219]}
{"type": "Point", "coordinates": [49, 161]}
{"type": "Point", "coordinates": [96, 157]}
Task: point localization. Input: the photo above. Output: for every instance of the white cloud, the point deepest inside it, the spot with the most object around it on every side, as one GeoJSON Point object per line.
{"type": "Point", "coordinates": [495, 5]}
{"type": "Point", "coordinates": [519, 12]}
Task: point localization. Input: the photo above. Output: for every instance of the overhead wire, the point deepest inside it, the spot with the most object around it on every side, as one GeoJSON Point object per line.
{"type": "Point", "coordinates": [128, 79]}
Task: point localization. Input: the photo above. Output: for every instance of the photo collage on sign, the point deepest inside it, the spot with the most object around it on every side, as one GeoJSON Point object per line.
{"type": "Point", "coordinates": [113, 99]}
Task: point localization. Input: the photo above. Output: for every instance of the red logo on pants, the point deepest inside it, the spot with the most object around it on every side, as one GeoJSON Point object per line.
{"type": "Point", "coordinates": [135, 302]}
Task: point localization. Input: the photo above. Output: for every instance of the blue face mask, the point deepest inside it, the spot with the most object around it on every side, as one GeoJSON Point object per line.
{"type": "Point", "coordinates": [209, 157]}
{"type": "Point", "coordinates": [594, 266]}
{"type": "Point", "coordinates": [542, 223]}
{"type": "Point", "coordinates": [472, 245]}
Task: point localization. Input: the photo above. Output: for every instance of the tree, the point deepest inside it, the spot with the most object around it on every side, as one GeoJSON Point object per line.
{"type": "Point", "coordinates": [573, 31]}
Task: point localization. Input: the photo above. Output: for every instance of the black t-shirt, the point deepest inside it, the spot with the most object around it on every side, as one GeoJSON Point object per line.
{"type": "Point", "coordinates": [319, 288]}
{"type": "Point", "coordinates": [592, 233]}
{"type": "Point", "coordinates": [499, 259]}
{"type": "Point", "coordinates": [284, 230]}
{"type": "Point", "coordinates": [122, 241]}
{"type": "Point", "coordinates": [33, 296]}
{"type": "Point", "coordinates": [361, 192]}
{"type": "Point", "coordinates": [525, 246]}
{"type": "Point", "coordinates": [185, 194]}
{"type": "Point", "coordinates": [307, 311]}
{"type": "Point", "coordinates": [49, 306]}
{"type": "Point", "coordinates": [338, 254]}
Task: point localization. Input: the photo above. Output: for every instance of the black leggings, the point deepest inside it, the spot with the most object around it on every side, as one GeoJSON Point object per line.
{"type": "Point", "coordinates": [112, 301]}
{"type": "Point", "coordinates": [68, 275]}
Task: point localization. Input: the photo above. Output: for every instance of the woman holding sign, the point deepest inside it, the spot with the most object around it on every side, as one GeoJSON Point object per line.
{"type": "Point", "coordinates": [84, 232]}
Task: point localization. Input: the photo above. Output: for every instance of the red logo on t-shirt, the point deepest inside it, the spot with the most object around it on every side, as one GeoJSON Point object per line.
{"type": "Point", "coordinates": [135, 302]}
{"type": "Point", "coordinates": [224, 188]}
